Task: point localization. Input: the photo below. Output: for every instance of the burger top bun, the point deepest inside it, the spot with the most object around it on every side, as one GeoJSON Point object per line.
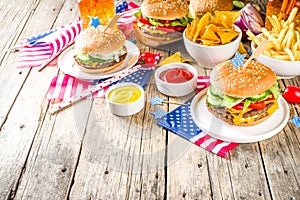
{"type": "Point", "coordinates": [96, 41]}
{"type": "Point", "coordinates": [165, 9]}
{"type": "Point", "coordinates": [242, 82]}
{"type": "Point", "coordinates": [200, 7]}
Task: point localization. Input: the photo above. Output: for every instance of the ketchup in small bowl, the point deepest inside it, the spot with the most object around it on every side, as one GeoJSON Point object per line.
{"type": "Point", "coordinates": [176, 79]}
{"type": "Point", "coordinates": [176, 75]}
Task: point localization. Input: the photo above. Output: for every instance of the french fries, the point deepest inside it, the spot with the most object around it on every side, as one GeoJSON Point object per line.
{"type": "Point", "coordinates": [284, 39]}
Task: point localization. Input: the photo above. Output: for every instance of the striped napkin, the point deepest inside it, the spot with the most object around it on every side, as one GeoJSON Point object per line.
{"type": "Point", "coordinates": [40, 48]}
{"type": "Point", "coordinates": [180, 122]}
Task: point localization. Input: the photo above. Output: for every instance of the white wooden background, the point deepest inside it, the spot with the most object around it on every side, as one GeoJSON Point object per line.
{"type": "Point", "coordinates": [64, 156]}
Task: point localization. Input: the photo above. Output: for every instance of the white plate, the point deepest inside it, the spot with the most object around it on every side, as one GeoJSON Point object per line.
{"type": "Point", "coordinates": [223, 131]}
{"type": "Point", "coordinates": [66, 63]}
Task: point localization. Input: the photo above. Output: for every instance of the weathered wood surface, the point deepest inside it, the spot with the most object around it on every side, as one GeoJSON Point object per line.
{"type": "Point", "coordinates": [85, 152]}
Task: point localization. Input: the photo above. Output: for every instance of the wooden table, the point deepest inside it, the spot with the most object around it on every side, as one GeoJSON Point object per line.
{"type": "Point", "coordinates": [85, 152]}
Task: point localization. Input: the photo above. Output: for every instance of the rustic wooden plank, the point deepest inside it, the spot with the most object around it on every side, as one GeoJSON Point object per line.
{"type": "Point", "coordinates": [10, 76]}
{"type": "Point", "coordinates": [14, 15]}
{"type": "Point", "coordinates": [187, 181]}
{"type": "Point", "coordinates": [54, 154]}
{"type": "Point", "coordinates": [246, 170]}
{"type": "Point", "coordinates": [281, 159]}
{"type": "Point", "coordinates": [23, 120]}
{"type": "Point", "coordinates": [132, 172]}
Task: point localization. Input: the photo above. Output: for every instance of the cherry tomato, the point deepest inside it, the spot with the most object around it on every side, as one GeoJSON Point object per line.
{"type": "Point", "coordinates": [147, 58]}
{"type": "Point", "coordinates": [291, 94]}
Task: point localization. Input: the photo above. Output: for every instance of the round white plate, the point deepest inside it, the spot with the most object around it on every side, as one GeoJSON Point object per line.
{"type": "Point", "coordinates": [223, 131]}
{"type": "Point", "coordinates": [66, 63]}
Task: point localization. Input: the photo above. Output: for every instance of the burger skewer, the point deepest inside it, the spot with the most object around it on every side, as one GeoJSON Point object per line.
{"type": "Point", "coordinates": [257, 52]}
{"type": "Point", "coordinates": [112, 22]}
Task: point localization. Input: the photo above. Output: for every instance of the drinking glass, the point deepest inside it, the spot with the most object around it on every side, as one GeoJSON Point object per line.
{"type": "Point", "coordinates": [95, 12]}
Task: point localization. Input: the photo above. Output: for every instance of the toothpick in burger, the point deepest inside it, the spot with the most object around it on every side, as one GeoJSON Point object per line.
{"type": "Point", "coordinates": [161, 21]}
{"type": "Point", "coordinates": [98, 50]}
{"type": "Point", "coordinates": [243, 96]}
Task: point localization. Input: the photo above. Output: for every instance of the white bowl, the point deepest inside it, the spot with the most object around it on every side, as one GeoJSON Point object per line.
{"type": "Point", "coordinates": [125, 108]}
{"type": "Point", "coordinates": [282, 68]}
{"type": "Point", "coordinates": [176, 89]}
{"type": "Point", "coordinates": [210, 56]}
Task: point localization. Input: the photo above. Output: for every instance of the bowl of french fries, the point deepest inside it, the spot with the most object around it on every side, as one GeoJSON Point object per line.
{"type": "Point", "coordinates": [213, 39]}
{"type": "Point", "coordinates": [282, 54]}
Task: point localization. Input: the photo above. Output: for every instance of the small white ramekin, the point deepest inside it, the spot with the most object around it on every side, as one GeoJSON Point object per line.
{"type": "Point", "coordinates": [176, 89]}
{"type": "Point", "coordinates": [125, 109]}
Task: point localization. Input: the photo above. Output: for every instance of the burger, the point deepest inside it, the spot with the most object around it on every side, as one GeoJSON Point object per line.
{"type": "Point", "coordinates": [99, 50]}
{"type": "Point", "coordinates": [161, 21]}
{"type": "Point", "coordinates": [200, 7]}
{"type": "Point", "coordinates": [244, 96]}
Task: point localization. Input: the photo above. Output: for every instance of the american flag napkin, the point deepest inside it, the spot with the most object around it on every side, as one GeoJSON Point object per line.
{"type": "Point", "coordinates": [40, 48]}
{"type": "Point", "coordinates": [180, 122]}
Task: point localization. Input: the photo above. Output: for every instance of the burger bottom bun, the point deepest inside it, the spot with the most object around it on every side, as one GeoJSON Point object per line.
{"type": "Point", "coordinates": [209, 108]}
{"type": "Point", "coordinates": [155, 41]}
{"type": "Point", "coordinates": [100, 70]}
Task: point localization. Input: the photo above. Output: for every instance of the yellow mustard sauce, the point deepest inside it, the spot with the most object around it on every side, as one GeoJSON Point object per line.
{"type": "Point", "coordinates": [126, 94]}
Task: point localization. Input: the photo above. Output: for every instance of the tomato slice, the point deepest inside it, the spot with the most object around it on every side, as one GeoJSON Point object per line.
{"type": "Point", "coordinates": [257, 105]}
{"type": "Point", "coordinates": [179, 28]}
{"type": "Point", "coordinates": [171, 28]}
{"type": "Point", "coordinates": [166, 28]}
{"type": "Point", "coordinates": [165, 21]}
{"type": "Point", "coordinates": [145, 21]}
{"type": "Point", "coordinates": [239, 106]}
{"type": "Point", "coordinates": [270, 98]}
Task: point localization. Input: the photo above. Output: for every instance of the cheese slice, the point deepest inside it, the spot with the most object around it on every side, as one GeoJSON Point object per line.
{"type": "Point", "coordinates": [238, 114]}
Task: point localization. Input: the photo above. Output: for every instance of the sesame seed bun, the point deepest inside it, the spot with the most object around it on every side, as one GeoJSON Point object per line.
{"type": "Point", "coordinates": [242, 82]}
{"type": "Point", "coordinates": [96, 41]}
{"type": "Point", "coordinates": [165, 9]}
{"type": "Point", "coordinates": [200, 7]}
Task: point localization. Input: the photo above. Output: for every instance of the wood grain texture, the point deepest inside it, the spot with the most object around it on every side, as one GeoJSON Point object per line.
{"type": "Point", "coordinates": [85, 152]}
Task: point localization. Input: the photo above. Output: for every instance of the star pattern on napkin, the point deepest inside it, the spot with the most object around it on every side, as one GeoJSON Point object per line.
{"type": "Point", "coordinates": [238, 60]}
{"type": "Point", "coordinates": [158, 113]}
{"type": "Point", "coordinates": [156, 100]}
{"type": "Point", "coordinates": [296, 121]}
{"type": "Point", "coordinates": [94, 21]}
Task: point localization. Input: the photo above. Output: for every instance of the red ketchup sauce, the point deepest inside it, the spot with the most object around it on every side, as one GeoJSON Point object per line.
{"type": "Point", "coordinates": [176, 75]}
